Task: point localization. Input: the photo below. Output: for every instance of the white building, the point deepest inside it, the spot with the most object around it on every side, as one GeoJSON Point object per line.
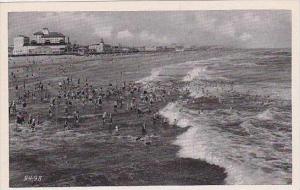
{"type": "Point", "coordinates": [46, 37]}
{"type": "Point", "coordinates": [141, 49]}
{"type": "Point", "coordinates": [44, 43]}
{"type": "Point", "coordinates": [100, 48]}
{"type": "Point", "coordinates": [97, 48]}
{"type": "Point", "coordinates": [21, 41]}
{"type": "Point", "coordinates": [151, 48]}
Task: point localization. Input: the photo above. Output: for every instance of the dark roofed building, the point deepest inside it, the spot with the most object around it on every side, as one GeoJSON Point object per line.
{"type": "Point", "coordinates": [23, 36]}
{"type": "Point", "coordinates": [53, 35]}
{"type": "Point", "coordinates": [43, 43]}
{"type": "Point", "coordinates": [38, 33]}
{"type": "Point", "coordinates": [46, 37]}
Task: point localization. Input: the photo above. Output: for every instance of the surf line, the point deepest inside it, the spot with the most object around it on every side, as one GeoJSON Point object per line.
{"type": "Point", "coordinates": [181, 117]}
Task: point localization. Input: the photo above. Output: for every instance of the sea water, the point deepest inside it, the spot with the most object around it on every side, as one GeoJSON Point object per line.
{"type": "Point", "coordinates": [253, 145]}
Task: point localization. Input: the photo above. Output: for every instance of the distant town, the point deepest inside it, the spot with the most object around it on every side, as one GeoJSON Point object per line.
{"type": "Point", "coordinates": [46, 42]}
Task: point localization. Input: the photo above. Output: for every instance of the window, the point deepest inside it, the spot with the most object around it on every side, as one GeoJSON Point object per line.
{"type": "Point", "coordinates": [47, 42]}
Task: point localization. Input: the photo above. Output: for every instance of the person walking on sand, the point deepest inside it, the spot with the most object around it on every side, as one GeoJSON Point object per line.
{"type": "Point", "coordinates": [38, 120]}
{"type": "Point", "coordinates": [175, 122]}
{"type": "Point", "coordinates": [139, 112]}
{"type": "Point", "coordinates": [110, 119]}
{"type": "Point", "coordinates": [165, 121]}
{"type": "Point", "coordinates": [66, 109]}
{"type": "Point", "coordinates": [117, 130]}
{"type": "Point", "coordinates": [9, 108]}
{"type": "Point", "coordinates": [99, 101]}
{"type": "Point", "coordinates": [32, 125]}
{"type": "Point", "coordinates": [115, 106]}
{"type": "Point", "coordinates": [50, 112]}
{"type": "Point", "coordinates": [121, 102]}
{"type": "Point", "coordinates": [13, 108]}
{"type": "Point", "coordinates": [30, 118]}
{"type": "Point", "coordinates": [144, 132]}
{"type": "Point", "coordinates": [131, 105]}
{"type": "Point", "coordinates": [66, 125]}
{"type": "Point", "coordinates": [103, 118]}
{"type": "Point", "coordinates": [77, 117]}
{"type": "Point", "coordinates": [20, 118]}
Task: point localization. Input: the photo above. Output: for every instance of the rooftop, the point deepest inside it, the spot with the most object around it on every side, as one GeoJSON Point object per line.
{"type": "Point", "coordinates": [51, 34]}
{"type": "Point", "coordinates": [23, 36]}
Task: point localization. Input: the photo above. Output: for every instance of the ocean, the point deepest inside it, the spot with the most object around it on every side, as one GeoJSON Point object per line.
{"type": "Point", "coordinates": [250, 133]}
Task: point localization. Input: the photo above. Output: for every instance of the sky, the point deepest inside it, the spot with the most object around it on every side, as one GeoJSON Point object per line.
{"type": "Point", "coordinates": [235, 28]}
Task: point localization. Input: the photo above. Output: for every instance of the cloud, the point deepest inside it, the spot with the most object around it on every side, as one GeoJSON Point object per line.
{"type": "Point", "coordinates": [103, 32]}
{"type": "Point", "coordinates": [152, 38]}
{"type": "Point", "coordinates": [205, 22]}
{"type": "Point", "coordinates": [227, 28]}
{"type": "Point", "coordinates": [245, 37]}
{"type": "Point", "coordinates": [124, 34]}
{"type": "Point", "coordinates": [251, 17]}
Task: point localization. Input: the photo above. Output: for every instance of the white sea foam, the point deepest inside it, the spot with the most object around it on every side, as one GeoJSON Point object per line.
{"type": "Point", "coordinates": [249, 145]}
{"type": "Point", "coordinates": [205, 142]}
{"type": "Point", "coordinates": [266, 115]}
{"type": "Point", "coordinates": [195, 73]}
{"type": "Point", "coordinates": [153, 76]}
{"type": "Point", "coordinates": [191, 70]}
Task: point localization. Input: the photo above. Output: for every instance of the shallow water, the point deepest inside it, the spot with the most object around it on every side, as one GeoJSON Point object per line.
{"type": "Point", "coordinates": [251, 134]}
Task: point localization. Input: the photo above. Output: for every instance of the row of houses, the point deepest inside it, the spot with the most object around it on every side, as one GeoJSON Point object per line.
{"type": "Point", "coordinates": [45, 42]}
{"type": "Point", "coordinates": [107, 48]}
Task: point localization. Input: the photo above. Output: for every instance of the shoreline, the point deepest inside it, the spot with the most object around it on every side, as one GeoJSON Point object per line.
{"type": "Point", "coordinates": [156, 163]}
{"type": "Point", "coordinates": [91, 155]}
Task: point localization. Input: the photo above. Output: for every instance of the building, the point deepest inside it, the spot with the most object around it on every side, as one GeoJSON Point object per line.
{"type": "Point", "coordinates": [83, 50]}
{"type": "Point", "coordinates": [100, 48]}
{"type": "Point", "coordinates": [141, 49]}
{"type": "Point", "coordinates": [45, 37]}
{"type": "Point", "coordinates": [21, 40]}
{"type": "Point", "coordinates": [43, 43]}
{"type": "Point", "coordinates": [10, 50]}
{"type": "Point", "coordinates": [151, 49]}
{"type": "Point", "coordinates": [19, 43]}
{"type": "Point", "coordinates": [179, 48]}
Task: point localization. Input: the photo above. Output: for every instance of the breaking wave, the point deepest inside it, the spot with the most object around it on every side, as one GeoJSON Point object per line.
{"type": "Point", "coordinates": [206, 142]}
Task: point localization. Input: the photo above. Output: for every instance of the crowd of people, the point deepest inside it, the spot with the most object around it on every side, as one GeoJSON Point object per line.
{"type": "Point", "coordinates": [70, 99]}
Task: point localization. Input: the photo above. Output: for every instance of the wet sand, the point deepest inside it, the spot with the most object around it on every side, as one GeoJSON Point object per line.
{"type": "Point", "coordinates": [91, 154]}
